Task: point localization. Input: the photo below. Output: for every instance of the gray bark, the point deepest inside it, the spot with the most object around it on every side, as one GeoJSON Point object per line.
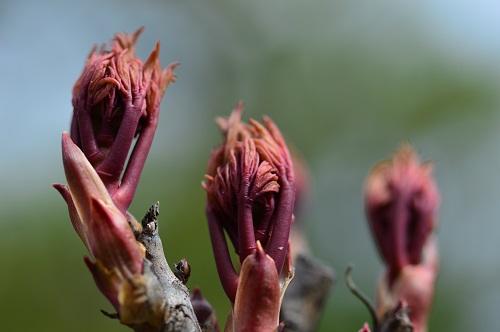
{"type": "Point", "coordinates": [179, 315]}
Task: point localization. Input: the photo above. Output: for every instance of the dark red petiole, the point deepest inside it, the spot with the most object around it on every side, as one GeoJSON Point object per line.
{"type": "Point", "coordinates": [225, 268]}
{"type": "Point", "coordinates": [278, 243]}
{"type": "Point", "coordinates": [110, 169]}
{"type": "Point", "coordinates": [132, 174]}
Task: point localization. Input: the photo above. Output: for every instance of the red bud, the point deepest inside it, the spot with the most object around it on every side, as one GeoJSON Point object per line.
{"type": "Point", "coordinates": [401, 202]}
{"type": "Point", "coordinates": [250, 193]}
{"type": "Point", "coordinates": [116, 99]}
{"type": "Point", "coordinates": [257, 302]}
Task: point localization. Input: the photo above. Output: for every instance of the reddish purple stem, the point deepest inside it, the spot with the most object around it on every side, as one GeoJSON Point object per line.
{"type": "Point", "coordinates": [135, 165]}
{"type": "Point", "coordinates": [264, 228]}
{"type": "Point", "coordinates": [87, 136]}
{"type": "Point", "coordinates": [246, 234]}
{"type": "Point", "coordinates": [111, 168]}
{"type": "Point", "coordinates": [225, 268]}
{"type": "Point", "coordinates": [278, 243]}
{"type": "Point", "coordinates": [398, 257]}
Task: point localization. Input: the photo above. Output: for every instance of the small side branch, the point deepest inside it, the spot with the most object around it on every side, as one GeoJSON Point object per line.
{"type": "Point", "coordinates": [361, 296]}
{"type": "Point", "coordinates": [396, 320]}
{"type": "Point", "coordinates": [178, 311]}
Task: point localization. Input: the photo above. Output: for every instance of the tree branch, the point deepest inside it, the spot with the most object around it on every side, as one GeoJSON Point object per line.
{"type": "Point", "coordinates": [179, 315]}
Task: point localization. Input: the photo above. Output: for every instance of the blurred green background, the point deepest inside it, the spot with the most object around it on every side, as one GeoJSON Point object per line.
{"type": "Point", "coordinates": [345, 80]}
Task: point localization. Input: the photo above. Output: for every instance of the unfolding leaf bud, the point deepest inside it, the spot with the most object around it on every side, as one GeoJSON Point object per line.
{"type": "Point", "coordinates": [116, 99]}
{"type": "Point", "coordinates": [401, 200]}
{"type": "Point", "coordinates": [116, 257]}
{"type": "Point", "coordinates": [250, 193]}
{"type": "Point", "coordinates": [257, 302]}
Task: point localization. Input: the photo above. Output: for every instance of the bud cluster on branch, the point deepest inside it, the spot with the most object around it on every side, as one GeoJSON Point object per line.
{"type": "Point", "coordinates": [254, 187]}
{"type": "Point", "coordinates": [401, 201]}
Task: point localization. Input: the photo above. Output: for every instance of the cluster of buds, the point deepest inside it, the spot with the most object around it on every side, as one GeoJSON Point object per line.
{"type": "Point", "coordinates": [116, 100]}
{"type": "Point", "coordinates": [401, 200]}
{"type": "Point", "coordinates": [250, 196]}
{"type": "Point", "coordinates": [251, 191]}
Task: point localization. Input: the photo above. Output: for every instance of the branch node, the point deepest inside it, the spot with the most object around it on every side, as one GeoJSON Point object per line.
{"type": "Point", "coordinates": [182, 270]}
